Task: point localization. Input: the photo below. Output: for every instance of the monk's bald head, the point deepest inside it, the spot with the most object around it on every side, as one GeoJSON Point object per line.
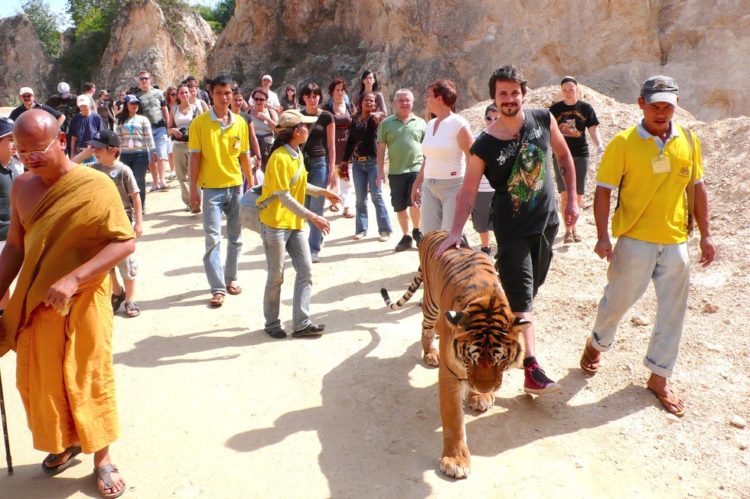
{"type": "Point", "coordinates": [37, 125]}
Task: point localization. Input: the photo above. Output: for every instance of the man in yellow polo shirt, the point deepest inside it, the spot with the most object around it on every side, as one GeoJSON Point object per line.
{"type": "Point", "coordinates": [219, 146]}
{"type": "Point", "coordinates": [651, 164]}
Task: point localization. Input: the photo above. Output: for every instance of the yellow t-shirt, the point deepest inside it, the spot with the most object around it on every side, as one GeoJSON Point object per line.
{"type": "Point", "coordinates": [281, 168]}
{"type": "Point", "coordinates": [652, 206]}
{"type": "Point", "coordinates": [220, 149]}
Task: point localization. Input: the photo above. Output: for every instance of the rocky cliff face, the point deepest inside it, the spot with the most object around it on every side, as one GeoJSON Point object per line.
{"type": "Point", "coordinates": [23, 62]}
{"type": "Point", "coordinates": [611, 46]}
{"type": "Point", "coordinates": [170, 47]}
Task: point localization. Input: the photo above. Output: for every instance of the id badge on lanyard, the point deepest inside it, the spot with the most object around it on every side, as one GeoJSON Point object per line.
{"type": "Point", "coordinates": [660, 164]}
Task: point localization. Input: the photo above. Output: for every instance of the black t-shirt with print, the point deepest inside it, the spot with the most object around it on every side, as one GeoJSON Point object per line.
{"type": "Point", "coordinates": [519, 171]}
{"type": "Point", "coordinates": [584, 116]}
{"type": "Point", "coordinates": [317, 143]}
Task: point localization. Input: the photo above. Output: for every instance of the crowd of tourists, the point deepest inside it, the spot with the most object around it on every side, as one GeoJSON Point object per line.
{"type": "Point", "coordinates": [65, 228]}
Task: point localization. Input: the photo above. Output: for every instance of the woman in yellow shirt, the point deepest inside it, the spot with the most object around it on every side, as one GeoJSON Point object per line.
{"type": "Point", "coordinates": [282, 223]}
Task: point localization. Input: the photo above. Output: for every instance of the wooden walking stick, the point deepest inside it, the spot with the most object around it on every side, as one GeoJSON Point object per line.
{"type": "Point", "coordinates": [5, 429]}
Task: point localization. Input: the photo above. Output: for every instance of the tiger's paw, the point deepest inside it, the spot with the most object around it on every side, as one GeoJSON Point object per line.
{"type": "Point", "coordinates": [432, 358]}
{"type": "Point", "coordinates": [480, 401]}
{"type": "Point", "coordinates": [456, 467]}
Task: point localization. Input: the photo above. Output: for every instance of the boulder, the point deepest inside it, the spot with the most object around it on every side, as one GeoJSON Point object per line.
{"type": "Point", "coordinates": [23, 61]}
{"type": "Point", "coordinates": [610, 46]}
{"type": "Point", "coordinates": [170, 46]}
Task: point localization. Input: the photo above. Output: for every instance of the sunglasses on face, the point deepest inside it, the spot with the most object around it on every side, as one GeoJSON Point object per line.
{"type": "Point", "coordinates": [173, 95]}
{"type": "Point", "coordinates": [27, 96]}
{"type": "Point", "coordinates": [489, 118]}
{"type": "Point", "coordinates": [144, 78]}
{"type": "Point", "coordinates": [259, 99]}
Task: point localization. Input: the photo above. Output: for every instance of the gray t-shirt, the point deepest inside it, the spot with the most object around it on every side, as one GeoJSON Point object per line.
{"type": "Point", "coordinates": [151, 103]}
{"type": "Point", "coordinates": [124, 180]}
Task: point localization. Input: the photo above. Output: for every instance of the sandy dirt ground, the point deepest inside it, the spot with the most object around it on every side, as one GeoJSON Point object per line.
{"type": "Point", "coordinates": [212, 407]}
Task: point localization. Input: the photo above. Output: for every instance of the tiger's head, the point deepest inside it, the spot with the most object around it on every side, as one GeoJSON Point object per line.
{"type": "Point", "coordinates": [488, 341]}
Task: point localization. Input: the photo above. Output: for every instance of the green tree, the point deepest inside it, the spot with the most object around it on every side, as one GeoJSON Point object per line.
{"type": "Point", "coordinates": [217, 17]}
{"type": "Point", "coordinates": [45, 24]}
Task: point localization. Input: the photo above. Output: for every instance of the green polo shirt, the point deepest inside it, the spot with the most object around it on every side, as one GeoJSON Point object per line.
{"type": "Point", "coordinates": [404, 143]}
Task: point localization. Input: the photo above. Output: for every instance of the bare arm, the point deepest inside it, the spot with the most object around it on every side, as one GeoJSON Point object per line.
{"type": "Point", "coordinates": [73, 142]}
{"type": "Point", "coordinates": [135, 198]}
{"type": "Point", "coordinates": [165, 114]}
{"type": "Point", "coordinates": [254, 143]}
{"type": "Point", "coordinates": [700, 210]}
{"type": "Point", "coordinates": [60, 293]}
{"type": "Point", "coordinates": [247, 169]}
{"type": "Point", "coordinates": [195, 168]}
{"type": "Point", "coordinates": [464, 203]}
{"type": "Point", "coordinates": [11, 257]}
{"type": "Point", "coordinates": [594, 134]}
{"type": "Point", "coordinates": [331, 142]}
{"type": "Point", "coordinates": [382, 175]}
{"type": "Point", "coordinates": [416, 189]}
{"type": "Point", "coordinates": [603, 246]}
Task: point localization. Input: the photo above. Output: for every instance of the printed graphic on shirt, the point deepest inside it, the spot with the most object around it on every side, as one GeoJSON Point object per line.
{"type": "Point", "coordinates": [527, 176]}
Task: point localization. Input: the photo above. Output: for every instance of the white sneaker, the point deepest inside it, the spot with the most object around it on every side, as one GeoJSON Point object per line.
{"type": "Point", "coordinates": [315, 257]}
{"type": "Point", "coordinates": [384, 236]}
{"type": "Point", "coordinates": [358, 236]}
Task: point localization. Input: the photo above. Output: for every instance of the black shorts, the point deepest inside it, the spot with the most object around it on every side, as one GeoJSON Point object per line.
{"type": "Point", "coordinates": [401, 185]}
{"type": "Point", "coordinates": [582, 168]}
{"type": "Point", "coordinates": [522, 265]}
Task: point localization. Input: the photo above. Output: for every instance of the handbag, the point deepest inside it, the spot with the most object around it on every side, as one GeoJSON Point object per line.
{"type": "Point", "coordinates": [250, 209]}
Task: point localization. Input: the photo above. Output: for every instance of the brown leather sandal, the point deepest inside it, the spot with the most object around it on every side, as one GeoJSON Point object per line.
{"type": "Point", "coordinates": [589, 363]}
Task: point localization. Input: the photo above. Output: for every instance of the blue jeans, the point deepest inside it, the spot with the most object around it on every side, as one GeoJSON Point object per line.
{"type": "Point", "coordinates": [634, 264]}
{"type": "Point", "coordinates": [216, 201]}
{"type": "Point", "coordinates": [138, 162]}
{"type": "Point", "coordinates": [364, 174]}
{"type": "Point", "coordinates": [317, 175]}
{"type": "Point", "coordinates": [275, 241]}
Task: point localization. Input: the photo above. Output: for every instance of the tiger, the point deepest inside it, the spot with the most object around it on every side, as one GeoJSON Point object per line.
{"type": "Point", "coordinates": [479, 337]}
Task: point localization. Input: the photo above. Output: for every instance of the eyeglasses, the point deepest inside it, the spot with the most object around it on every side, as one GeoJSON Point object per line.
{"type": "Point", "coordinates": [36, 155]}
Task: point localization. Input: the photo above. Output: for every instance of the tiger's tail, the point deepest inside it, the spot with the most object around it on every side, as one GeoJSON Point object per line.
{"type": "Point", "coordinates": [413, 287]}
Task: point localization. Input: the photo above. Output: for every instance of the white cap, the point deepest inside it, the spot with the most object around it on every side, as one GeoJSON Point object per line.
{"type": "Point", "coordinates": [63, 88]}
{"type": "Point", "coordinates": [26, 90]}
{"type": "Point", "coordinates": [266, 77]}
{"type": "Point", "coordinates": [83, 100]}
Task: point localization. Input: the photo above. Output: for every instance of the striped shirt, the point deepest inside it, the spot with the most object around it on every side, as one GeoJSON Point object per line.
{"type": "Point", "coordinates": [135, 134]}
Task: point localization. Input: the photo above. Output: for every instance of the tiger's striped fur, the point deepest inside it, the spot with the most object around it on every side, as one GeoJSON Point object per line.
{"type": "Point", "coordinates": [479, 337]}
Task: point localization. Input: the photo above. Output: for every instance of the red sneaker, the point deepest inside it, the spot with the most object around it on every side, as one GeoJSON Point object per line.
{"type": "Point", "coordinates": [536, 382]}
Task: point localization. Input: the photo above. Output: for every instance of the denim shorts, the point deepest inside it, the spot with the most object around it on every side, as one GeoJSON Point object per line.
{"type": "Point", "coordinates": [161, 143]}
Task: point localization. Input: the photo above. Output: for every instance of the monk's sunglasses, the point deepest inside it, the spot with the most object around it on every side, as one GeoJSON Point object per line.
{"type": "Point", "coordinates": [36, 155]}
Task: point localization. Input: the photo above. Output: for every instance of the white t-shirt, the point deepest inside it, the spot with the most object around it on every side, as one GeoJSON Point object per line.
{"type": "Point", "coordinates": [273, 99]}
{"type": "Point", "coordinates": [444, 158]}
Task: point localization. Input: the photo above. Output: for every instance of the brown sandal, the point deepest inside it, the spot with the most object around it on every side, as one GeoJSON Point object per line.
{"type": "Point", "coordinates": [233, 288]}
{"type": "Point", "coordinates": [217, 300]}
{"type": "Point", "coordinates": [105, 475]}
{"type": "Point", "coordinates": [670, 402]}
{"type": "Point", "coordinates": [589, 363]}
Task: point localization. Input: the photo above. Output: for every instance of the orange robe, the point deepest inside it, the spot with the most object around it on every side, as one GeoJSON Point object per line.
{"type": "Point", "coordinates": [64, 362]}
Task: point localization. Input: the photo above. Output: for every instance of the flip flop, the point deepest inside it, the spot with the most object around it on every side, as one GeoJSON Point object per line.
{"type": "Point", "coordinates": [588, 363]}
{"type": "Point", "coordinates": [72, 452]}
{"type": "Point", "coordinates": [233, 288]}
{"type": "Point", "coordinates": [105, 475]}
{"type": "Point", "coordinates": [117, 301]}
{"type": "Point", "coordinates": [669, 402]}
{"type": "Point", "coordinates": [217, 300]}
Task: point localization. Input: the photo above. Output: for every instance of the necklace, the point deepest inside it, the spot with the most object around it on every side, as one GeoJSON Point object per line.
{"type": "Point", "coordinates": [515, 134]}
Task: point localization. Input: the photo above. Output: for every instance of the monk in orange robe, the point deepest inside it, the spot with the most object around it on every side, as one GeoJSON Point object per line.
{"type": "Point", "coordinates": [68, 228]}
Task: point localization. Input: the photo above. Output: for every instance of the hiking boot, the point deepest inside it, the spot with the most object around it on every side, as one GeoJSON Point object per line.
{"type": "Point", "coordinates": [404, 244]}
{"type": "Point", "coordinates": [417, 235]}
{"type": "Point", "coordinates": [536, 382]}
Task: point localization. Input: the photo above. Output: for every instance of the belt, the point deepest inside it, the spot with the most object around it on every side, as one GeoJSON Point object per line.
{"type": "Point", "coordinates": [363, 158]}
